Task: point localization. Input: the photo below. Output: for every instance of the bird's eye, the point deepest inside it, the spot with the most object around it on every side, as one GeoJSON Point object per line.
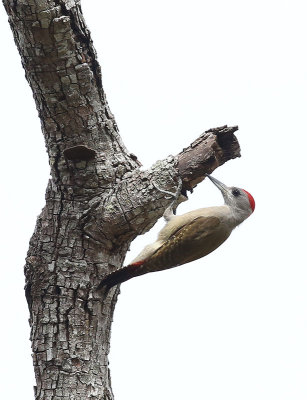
{"type": "Point", "coordinates": [236, 192]}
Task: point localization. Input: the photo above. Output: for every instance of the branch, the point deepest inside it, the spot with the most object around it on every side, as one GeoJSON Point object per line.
{"type": "Point", "coordinates": [61, 67]}
{"type": "Point", "coordinates": [211, 150]}
{"type": "Point", "coordinates": [138, 202]}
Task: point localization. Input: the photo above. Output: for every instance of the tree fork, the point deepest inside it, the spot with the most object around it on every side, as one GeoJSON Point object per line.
{"type": "Point", "coordinates": [97, 200]}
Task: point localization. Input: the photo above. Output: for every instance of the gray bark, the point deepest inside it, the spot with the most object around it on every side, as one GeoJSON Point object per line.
{"type": "Point", "coordinates": [97, 200]}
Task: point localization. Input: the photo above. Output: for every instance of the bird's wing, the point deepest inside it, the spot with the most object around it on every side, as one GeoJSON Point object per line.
{"type": "Point", "coordinates": [166, 233]}
{"type": "Point", "coordinates": [192, 241]}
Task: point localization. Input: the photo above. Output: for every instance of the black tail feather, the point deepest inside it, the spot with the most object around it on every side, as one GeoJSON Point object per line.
{"type": "Point", "coordinates": [120, 276]}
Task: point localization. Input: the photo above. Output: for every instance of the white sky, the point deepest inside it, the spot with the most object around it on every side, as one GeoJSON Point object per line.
{"type": "Point", "coordinates": [234, 324]}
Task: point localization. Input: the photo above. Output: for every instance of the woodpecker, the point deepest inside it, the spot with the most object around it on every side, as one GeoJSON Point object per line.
{"type": "Point", "coordinates": [189, 236]}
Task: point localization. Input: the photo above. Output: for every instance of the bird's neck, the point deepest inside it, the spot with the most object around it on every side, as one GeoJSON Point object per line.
{"type": "Point", "coordinates": [235, 216]}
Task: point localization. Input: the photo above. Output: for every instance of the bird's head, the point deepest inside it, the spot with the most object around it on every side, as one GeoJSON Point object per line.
{"type": "Point", "coordinates": [238, 200]}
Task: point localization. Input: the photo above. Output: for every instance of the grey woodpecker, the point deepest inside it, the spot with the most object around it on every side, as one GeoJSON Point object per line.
{"type": "Point", "coordinates": [190, 236]}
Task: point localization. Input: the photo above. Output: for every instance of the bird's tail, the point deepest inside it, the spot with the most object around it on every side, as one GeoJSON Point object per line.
{"type": "Point", "coordinates": [122, 275]}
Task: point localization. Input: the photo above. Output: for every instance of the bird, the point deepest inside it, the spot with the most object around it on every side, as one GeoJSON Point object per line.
{"type": "Point", "coordinates": [189, 236]}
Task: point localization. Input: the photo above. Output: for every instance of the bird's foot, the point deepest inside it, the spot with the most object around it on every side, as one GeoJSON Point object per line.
{"type": "Point", "coordinates": [171, 209]}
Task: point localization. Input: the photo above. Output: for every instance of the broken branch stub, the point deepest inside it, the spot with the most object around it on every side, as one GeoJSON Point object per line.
{"type": "Point", "coordinates": [211, 150]}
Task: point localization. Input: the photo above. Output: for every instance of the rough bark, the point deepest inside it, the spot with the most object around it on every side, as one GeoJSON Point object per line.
{"type": "Point", "coordinates": [97, 200]}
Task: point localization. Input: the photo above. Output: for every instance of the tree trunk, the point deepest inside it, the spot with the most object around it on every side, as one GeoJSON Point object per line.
{"type": "Point", "coordinates": [97, 200]}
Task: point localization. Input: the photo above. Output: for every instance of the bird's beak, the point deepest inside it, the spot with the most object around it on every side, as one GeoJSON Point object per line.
{"type": "Point", "coordinates": [223, 188]}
